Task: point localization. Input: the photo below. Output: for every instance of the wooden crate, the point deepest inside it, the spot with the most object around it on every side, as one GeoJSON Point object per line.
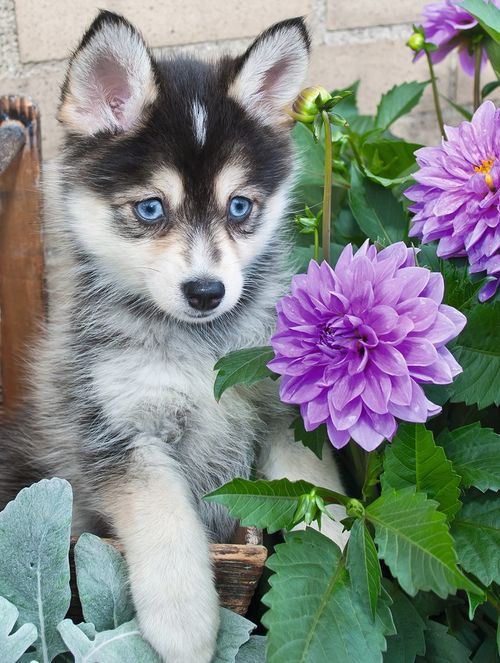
{"type": "Point", "coordinates": [238, 566]}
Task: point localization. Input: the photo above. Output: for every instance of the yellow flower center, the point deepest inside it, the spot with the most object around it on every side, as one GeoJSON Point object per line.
{"type": "Point", "coordinates": [484, 168]}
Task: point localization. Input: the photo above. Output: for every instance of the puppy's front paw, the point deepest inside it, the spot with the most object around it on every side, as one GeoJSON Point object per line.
{"type": "Point", "coordinates": [182, 629]}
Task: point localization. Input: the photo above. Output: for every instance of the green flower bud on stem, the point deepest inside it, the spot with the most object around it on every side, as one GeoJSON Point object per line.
{"type": "Point", "coordinates": [309, 103]}
{"type": "Point", "coordinates": [355, 509]}
{"type": "Point", "coordinates": [416, 42]}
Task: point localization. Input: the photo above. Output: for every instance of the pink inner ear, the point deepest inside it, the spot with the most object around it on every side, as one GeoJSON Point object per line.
{"type": "Point", "coordinates": [273, 78]}
{"type": "Point", "coordinates": [112, 86]}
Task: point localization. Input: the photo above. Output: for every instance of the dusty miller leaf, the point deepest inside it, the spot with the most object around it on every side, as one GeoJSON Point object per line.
{"type": "Point", "coordinates": [124, 643]}
{"type": "Point", "coordinates": [102, 581]}
{"type": "Point", "coordinates": [253, 651]}
{"type": "Point", "coordinates": [234, 631]}
{"type": "Point", "coordinates": [13, 644]}
{"type": "Point", "coordinates": [34, 564]}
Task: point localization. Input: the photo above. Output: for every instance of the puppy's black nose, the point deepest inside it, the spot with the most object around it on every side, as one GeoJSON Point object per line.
{"type": "Point", "coordinates": [204, 295]}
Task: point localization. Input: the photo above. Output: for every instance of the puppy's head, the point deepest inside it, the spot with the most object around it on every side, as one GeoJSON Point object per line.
{"type": "Point", "coordinates": [177, 172]}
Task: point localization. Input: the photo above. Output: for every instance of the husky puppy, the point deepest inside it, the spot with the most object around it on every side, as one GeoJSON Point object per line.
{"type": "Point", "coordinates": [166, 212]}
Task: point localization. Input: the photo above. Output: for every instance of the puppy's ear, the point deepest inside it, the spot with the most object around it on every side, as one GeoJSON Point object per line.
{"type": "Point", "coordinates": [110, 80]}
{"type": "Point", "coordinates": [271, 72]}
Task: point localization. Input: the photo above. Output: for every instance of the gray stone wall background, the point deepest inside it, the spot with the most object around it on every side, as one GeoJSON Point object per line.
{"type": "Point", "coordinates": [362, 39]}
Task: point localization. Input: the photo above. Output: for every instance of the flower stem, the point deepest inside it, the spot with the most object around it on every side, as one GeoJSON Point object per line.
{"type": "Point", "coordinates": [435, 94]}
{"type": "Point", "coordinates": [478, 53]}
{"type": "Point", "coordinates": [327, 192]}
{"type": "Point", "coordinates": [316, 245]}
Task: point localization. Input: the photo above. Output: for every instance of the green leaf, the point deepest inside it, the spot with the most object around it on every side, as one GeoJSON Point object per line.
{"type": "Point", "coordinates": [493, 50]}
{"type": "Point", "coordinates": [398, 101]}
{"type": "Point", "coordinates": [476, 531]}
{"type": "Point", "coordinates": [477, 350]}
{"type": "Point", "coordinates": [314, 613]}
{"type": "Point", "coordinates": [363, 566]}
{"type": "Point", "coordinates": [253, 651]}
{"type": "Point", "coordinates": [464, 112]}
{"type": "Point", "coordinates": [475, 454]}
{"type": "Point", "coordinates": [409, 639]}
{"type": "Point", "coordinates": [242, 367]}
{"type": "Point", "coordinates": [379, 215]}
{"type": "Point", "coordinates": [414, 541]}
{"type": "Point", "coordinates": [441, 647]}
{"type": "Point", "coordinates": [487, 652]}
{"type": "Point", "coordinates": [13, 644]}
{"type": "Point", "coordinates": [313, 440]}
{"type": "Point", "coordinates": [102, 583]}
{"type": "Point", "coordinates": [413, 459]}
{"type": "Point", "coordinates": [234, 631]}
{"type": "Point", "coordinates": [124, 643]}
{"type": "Point", "coordinates": [390, 162]}
{"type": "Point", "coordinates": [487, 14]}
{"type": "Point", "coordinates": [34, 563]}
{"type": "Point", "coordinates": [269, 504]}
{"type": "Point", "coordinates": [489, 88]}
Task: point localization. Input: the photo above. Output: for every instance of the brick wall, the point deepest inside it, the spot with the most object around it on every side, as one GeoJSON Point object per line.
{"type": "Point", "coordinates": [362, 39]}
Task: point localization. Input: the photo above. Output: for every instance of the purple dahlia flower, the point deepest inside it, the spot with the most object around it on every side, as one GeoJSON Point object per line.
{"type": "Point", "coordinates": [457, 195]}
{"type": "Point", "coordinates": [445, 25]}
{"type": "Point", "coordinates": [354, 344]}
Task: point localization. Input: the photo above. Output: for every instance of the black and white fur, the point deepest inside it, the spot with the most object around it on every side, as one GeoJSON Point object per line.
{"type": "Point", "coordinates": [122, 403]}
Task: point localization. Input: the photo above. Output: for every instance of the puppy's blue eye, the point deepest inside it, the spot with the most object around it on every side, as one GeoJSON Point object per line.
{"type": "Point", "coordinates": [150, 210]}
{"type": "Point", "coordinates": [239, 209]}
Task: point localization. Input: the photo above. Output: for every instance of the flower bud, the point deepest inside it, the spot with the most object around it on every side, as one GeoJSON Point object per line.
{"type": "Point", "coordinates": [355, 509]}
{"type": "Point", "coordinates": [308, 104]}
{"type": "Point", "coordinates": [416, 42]}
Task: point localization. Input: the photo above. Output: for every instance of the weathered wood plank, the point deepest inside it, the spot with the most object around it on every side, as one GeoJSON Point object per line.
{"type": "Point", "coordinates": [21, 250]}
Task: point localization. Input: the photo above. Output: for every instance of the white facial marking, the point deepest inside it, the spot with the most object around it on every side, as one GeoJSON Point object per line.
{"type": "Point", "coordinates": [199, 114]}
{"type": "Point", "coordinates": [169, 180]}
{"type": "Point", "coordinates": [231, 178]}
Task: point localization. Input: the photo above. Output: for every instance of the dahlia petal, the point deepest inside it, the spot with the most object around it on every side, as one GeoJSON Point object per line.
{"type": "Point", "coordinates": [416, 411]}
{"type": "Point", "coordinates": [347, 389]}
{"type": "Point", "coordinates": [401, 389]}
{"type": "Point", "coordinates": [455, 367]}
{"type": "Point", "coordinates": [316, 411]}
{"type": "Point", "coordinates": [376, 393]}
{"type": "Point", "coordinates": [339, 438]}
{"type": "Point", "coordinates": [389, 360]}
{"type": "Point", "coordinates": [385, 424]}
{"type": "Point", "coordinates": [418, 351]}
{"type": "Point", "coordinates": [422, 311]}
{"type": "Point", "coordinates": [299, 389]}
{"type": "Point", "coordinates": [414, 280]}
{"type": "Point", "coordinates": [455, 317]}
{"type": "Point", "coordinates": [488, 290]}
{"type": "Point", "coordinates": [437, 373]}
{"type": "Point", "coordinates": [382, 318]}
{"type": "Point", "coordinates": [434, 288]}
{"type": "Point", "coordinates": [401, 330]}
{"type": "Point", "coordinates": [346, 417]}
{"type": "Point", "coordinates": [364, 433]}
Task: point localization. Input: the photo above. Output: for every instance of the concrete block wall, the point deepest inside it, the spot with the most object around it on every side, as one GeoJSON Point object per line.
{"type": "Point", "coordinates": [351, 40]}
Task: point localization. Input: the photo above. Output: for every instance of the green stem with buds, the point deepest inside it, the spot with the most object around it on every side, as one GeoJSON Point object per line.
{"type": "Point", "coordinates": [327, 192]}
{"type": "Point", "coordinates": [435, 94]}
{"type": "Point", "coordinates": [478, 52]}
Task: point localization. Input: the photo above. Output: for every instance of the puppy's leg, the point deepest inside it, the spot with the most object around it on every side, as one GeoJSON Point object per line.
{"type": "Point", "coordinates": [282, 457]}
{"type": "Point", "coordinates": [168, 558]}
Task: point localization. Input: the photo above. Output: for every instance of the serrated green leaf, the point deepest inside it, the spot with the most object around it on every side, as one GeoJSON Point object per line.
{"type": "Point", "coordinates": [475, 454]}
{"type": "Point", "coordinates": [409, 639]}
{"type": "Point", "coordinates": [477, 350]}
{"type": "Point", "coordinates": [390, 162]}
{"type": "Point", "coordinates": [242, 367]}
{"type": "Point", "coordinates": [441, 647]}
{"type": "Point", "coordinates": [268, 504]}
{"type": "Point", "coordinates": [493, 50]}
{"type": "Point", "coordinates": [464, 112]}
{"type": "Point", "coordinates": [34, 563]}
{"type": "Point", "coordinates": [13, 644]}
{"type": "Point", "coordinates": [476, 531]}
{"type": "Point", "coordinates": [102, 583]}
{"type": "Point", "coordinates": [379, 215]}
{"type": "Point", "coordinates": [487, 652]}
{"type": "Point", "coordinates": [363, 566]}
{"type": "Point", "coordinates": [314, 613]}
{"type": "Point", "coordinates": [489, 88]}
{"type": "Point", "coordinates": [234, 631]}
{"type": "Point", "coordinates": [413, 459]}
{"type": "Point", "coordinates": [124, 643]}
{"type": "Point", "coordinates": [398, 101]}
{"type": "Point", "coordinates": [487, 14]}
{"type": "Point", "coordinates": [414, 541]}
{"type": "Point", "coordinates": [313, 440]}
